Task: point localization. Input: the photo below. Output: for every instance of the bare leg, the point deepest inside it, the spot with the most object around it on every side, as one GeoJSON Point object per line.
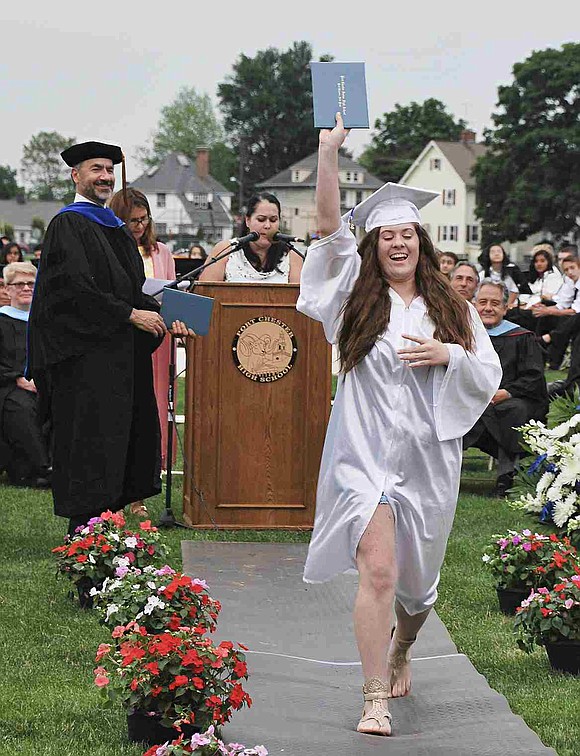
{"type": "Point", "coordinates": [373, 615]}
{"type": "Point", "coordinates": [399, 658]}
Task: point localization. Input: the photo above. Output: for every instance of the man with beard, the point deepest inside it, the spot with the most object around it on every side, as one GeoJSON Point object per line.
{"type": "Point", "coordinates": [91, 335]}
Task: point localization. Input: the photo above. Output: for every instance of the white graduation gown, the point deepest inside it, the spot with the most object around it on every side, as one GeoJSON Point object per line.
{"type": "Point", "coordinates": [392, 429]}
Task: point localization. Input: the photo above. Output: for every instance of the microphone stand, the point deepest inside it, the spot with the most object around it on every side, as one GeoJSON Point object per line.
{"type": "Point", "coordinates": [292, 247]}
{"type": "Point", "coordinates": [167, 519]}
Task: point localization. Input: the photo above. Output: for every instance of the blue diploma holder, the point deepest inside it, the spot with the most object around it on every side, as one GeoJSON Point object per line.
{"type": "Point", "coordinates": [192, 309]}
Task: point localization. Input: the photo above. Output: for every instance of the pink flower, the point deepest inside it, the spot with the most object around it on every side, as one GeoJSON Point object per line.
{"type": "Point", "coordinates": [569, 603]}
{"type": "Point", "coordinates": [543, 590]}
{"type": "Point", "coordinates": [120, 572]}
{"type": "Point", "coordinates": [527, 546]}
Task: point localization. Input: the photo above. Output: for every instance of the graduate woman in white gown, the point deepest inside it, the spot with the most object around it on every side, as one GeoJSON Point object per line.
{"type": "Point", "coordinates": [418, 369]}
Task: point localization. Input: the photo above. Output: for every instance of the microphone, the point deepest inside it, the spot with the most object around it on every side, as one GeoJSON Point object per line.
{"type": "Point", "coordinates": [286, 238]}
{"type": "Point", "coordinates": [236, 243]}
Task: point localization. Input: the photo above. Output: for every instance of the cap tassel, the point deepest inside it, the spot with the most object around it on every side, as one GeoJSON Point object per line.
{"type": "Point", "coordinates": [124, 177]}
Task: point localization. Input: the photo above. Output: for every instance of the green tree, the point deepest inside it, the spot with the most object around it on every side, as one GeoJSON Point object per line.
{"type": "Point", "coordinates": [6, 229]}
{"type": "Point", "coordinates": [46, 175]}
{"type": "Point", "coordinates": [529, 180]}
{"type": "Point", "coordinates": [401, 134]}
{"type": "Point", "coordinates": [187, 123]}
{"type": "Point", "coordinates": [8, 183]}
{"type": "Point", "coordinates": [267, 107]}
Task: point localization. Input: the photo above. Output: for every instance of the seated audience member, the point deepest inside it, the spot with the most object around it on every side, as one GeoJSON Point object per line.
{"type": "Point", "coordinates": [4, 296]}
{"type": "Point", "coordinates": [544, 281]}
{"type": "Point", "coordinates": [464, 279]}
{"type": "Point", "coordinates": [522, 394]}
{"type": "Point", "coordinates": [496, 265]}
{"type": "Point", "coordinates": [566, 250]}
{"type": "Point", "coordinates": [10, 253]}
{"type": "Point", "coordinates": [36, 252]}
{"type": "Point", "coordinates": [27, 461]}
{"type": "Point", "coordinates": [568, 325]}
{"type": "Point", "coordinates": [447, 261]}
{"type": "Point", "coordinates": [566, 305]}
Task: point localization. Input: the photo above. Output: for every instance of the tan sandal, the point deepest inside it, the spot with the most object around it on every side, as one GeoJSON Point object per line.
{"type": "Point", "coordinates": [378, 720]}
{"type": "Point", "coordinates": [139, 509]}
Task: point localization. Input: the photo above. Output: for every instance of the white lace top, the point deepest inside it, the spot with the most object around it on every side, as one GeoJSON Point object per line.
{"type": "Point", "coordinates": [239, 270]}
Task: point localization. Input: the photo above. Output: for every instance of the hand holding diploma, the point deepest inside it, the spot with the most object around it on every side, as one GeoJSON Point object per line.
{"type": "Point", "coordinates": [430, 352]}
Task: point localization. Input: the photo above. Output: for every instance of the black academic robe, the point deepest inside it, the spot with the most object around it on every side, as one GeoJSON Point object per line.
{"type": "Point", "coordinates": [523, 376]}
{"type": "Point", "coordinates": [95, 367]}
{"type": "Point", "coordinates": [23, 447]}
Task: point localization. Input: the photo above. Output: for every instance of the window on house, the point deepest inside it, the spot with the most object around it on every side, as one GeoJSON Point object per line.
{"type": "Point", "coordinates": [435, 164]}
{"type": "Point", "coordinates": [449, 196]}
{"type": "Point", "coordinates": [355, 177]}
{"type": "Point", "coordinates": [348, 176]}
{"type": "Point", "coordinates": [296, 211]}
{"type": "Point", "coordinates": [161, 200]}
{"type": "Point", "coordinates": [295, 175]}
{"type": "Point", "coordinates": [161, 228]}
{"type": "Point", "coordinates": [343, 196]}
{"type": "Point", "coordinates": [359, 197]}
{"type": "Point", "coordinates": [200, 200]}
{"type": "Point", "coordinates": [453, 233]}
{"type": "Point", "coordinates": [441, 233]}
{"type": "Point", "coordinates": [472, 234]}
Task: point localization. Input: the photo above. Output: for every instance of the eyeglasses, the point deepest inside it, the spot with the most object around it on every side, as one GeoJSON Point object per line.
{"type": "Point", "coordinates": [23, 285]}
{"type": "Point", "coordinates": [139, 221]}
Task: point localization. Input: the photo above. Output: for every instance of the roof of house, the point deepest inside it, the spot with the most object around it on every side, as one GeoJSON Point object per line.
{"type": "Point", "coordinates": [177, 174]}
{"type": "Point", "coordinates": [20, 214]}
{"type": "Point", "coordinates": [462, 156]}
{"type": "Point", "coordinates": [310, 163]}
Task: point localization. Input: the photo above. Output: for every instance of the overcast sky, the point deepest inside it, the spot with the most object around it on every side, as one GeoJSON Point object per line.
{"type": "Point", "coordinates": [104, 70]}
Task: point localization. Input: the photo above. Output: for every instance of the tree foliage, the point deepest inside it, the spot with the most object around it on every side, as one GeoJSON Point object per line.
{"type": "Point", "coordinates": [267, 107]}
{"type": "Point", "coordinates": [46, 175]}
{"type": "Point", "coordinates": [8, 182]}
{"type": "Point", "coordinates": [188, 123]}
{"type": "Point", "coordinates": [529, 180]}
{"type": "Point", "coordinates": [401, 134]}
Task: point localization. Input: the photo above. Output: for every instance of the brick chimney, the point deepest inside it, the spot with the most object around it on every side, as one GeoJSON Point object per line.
{"type": "Point", "coordinates": [467, 136]}
{"type": "Point", "coordinates": [202, 162]}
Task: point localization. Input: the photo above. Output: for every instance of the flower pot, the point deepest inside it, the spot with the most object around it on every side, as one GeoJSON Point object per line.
{"type": "Point", "coordinates": [510, 598]}
{"type": "Point", "coordinates": [144, 728]}
{"type": "Point", "coordinates": [564, 656]}
{"type": "Point", "coordinates": [84, 586]}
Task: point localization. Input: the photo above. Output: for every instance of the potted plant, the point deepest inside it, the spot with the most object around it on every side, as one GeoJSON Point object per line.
{"type": "Point", "coordinates": [170, 680]}
{"type": "Point", "coordinates": [522, 561]}
{"type": "Point", "coordinates": [158, 599]}
{"type": "Point", "coordinates": [551, 618]}
{"type": "Point", "coordinates": [550, 485]}
{"type": "Point", "coordinates": [204, 744]}
{"type": "Point", "coordinates": [97, 550]}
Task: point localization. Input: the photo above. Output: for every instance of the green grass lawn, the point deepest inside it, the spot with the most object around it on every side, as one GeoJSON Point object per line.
{"type": "Point", "coordinates": [49, 705]}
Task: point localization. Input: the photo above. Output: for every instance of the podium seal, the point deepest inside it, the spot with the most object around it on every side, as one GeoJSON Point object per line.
{"type": "Point", "coordinates": [264, 349]}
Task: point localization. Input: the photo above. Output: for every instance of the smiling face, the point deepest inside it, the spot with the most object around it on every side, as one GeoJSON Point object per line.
{"type": "Point", "coordinates": [20, 291]}
{"type": "Point", "coordinates": [398, 251]}
{"type": "Point", "coordinates": [95, 179]}
{"type": "Point", "coordinates": [490, 305]}
{"type": "Point", "coordinates": [265, 220]}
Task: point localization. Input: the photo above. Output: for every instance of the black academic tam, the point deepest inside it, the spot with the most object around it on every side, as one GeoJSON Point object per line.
{"type": "Point", "coordinates": [95, 367]}
{"type": "Point", "coordinates": [89, 150]}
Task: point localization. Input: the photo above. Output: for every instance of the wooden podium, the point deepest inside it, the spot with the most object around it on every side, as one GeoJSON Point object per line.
{"type": "Point", "coordinates": [258, 391]}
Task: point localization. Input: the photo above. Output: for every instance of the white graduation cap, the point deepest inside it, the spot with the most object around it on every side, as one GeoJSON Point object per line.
{"type": "Point", "coordinates": [390, 205]}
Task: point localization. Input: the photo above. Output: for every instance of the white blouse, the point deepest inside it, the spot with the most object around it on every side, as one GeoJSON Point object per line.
{"type": "Point", "coordinates": [240, 270]}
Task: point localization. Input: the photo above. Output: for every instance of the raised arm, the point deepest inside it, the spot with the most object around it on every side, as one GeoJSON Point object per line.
{"type": "Point", "coordinates": [327, 187]}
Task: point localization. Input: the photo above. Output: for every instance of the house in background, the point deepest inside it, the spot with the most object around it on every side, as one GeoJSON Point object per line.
{"type": "Point", "coordinates": [20, 212]}
{"type": "Point", "coordinates": [295, 187]}
{"type": "Point", "coordinates": [446, 167]}
{"type": "Point", "coordinates": [186, 201]}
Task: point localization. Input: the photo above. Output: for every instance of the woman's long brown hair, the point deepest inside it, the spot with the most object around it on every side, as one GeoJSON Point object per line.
{"type": "Point", "coordinates": [122, 205]}
{"type": "Point", "coordinates": [367, 311]}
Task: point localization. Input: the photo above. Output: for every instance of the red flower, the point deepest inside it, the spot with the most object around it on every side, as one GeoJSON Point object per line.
{"type": "Point", "coordinates": [118, 631]}
{"type": "Point", "coordinates": [545, 612]}
{"type": "Point", "coordinates": [213, 701]}
{"type": "Point", "coordinates": [134, 684]}
{"type": "Point", "coordinates": [102, 650]}
{"type": "Point", "coordinates": [179, 680]}
{"type": "Point", "coordinates": [146, 525]}
{"type": "Point", "coordinates": [198, 682]}
{"type": "Point", "coordinates": [237, 696]}
{"type": "Point", "coordinates": [553, 537]}
{"type": "Point", "coordinates": [82, 558]}
{"type": "Point", "coordinates": [156, 690]}
{"type": "Point", "coordinates": [175, 622]}
{"type": "Point", "coordinates": [240, 669]}
{"type": "Point", "coordinates": [153, 667]}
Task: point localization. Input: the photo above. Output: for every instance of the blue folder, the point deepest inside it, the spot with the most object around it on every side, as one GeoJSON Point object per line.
{"type": "Point", "coordinates": [192, 309]}
{"type": "Point", "coordinates": [339, 87]}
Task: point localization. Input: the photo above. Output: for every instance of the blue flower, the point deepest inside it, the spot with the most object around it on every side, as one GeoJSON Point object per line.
{"type": "Point", "coordinates": [546, 513]}
{"type": "Point", "coordinates": [536, 463]}
{"type": "Point", "coordinates": [551, 467]}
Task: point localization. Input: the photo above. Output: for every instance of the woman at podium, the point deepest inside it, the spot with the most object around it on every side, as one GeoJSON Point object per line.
{"type": "Point", "coordinates": [263, 260]}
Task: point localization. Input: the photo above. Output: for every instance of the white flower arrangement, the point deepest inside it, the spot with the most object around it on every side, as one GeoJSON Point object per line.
{"type": "Point", "coordinates": [556, 496]}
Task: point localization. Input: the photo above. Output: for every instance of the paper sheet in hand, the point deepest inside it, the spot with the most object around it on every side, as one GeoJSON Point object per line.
{"type": "Point", "coordinates": [192, 309]}
{"type": "Point", "coordinates": [154, 285]}
{"type": "Point", "coordinates": [339, 88]}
